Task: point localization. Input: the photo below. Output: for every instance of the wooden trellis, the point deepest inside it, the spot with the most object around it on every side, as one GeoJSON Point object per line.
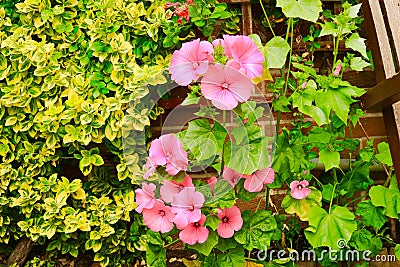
{"type": "Point", "coordinates": [384, 17]}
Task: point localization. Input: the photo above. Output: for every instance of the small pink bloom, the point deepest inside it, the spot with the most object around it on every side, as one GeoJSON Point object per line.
{"type": "Point", "coordinates": [231, 220]}
{"type": "Point", "coordinates": [169, 4]}
{"type": "Point", "coordinates": [304, 85]}
{"type": "Point", "coordinates": [245, 55]}
{"type": "Point", "coordinates": [211, 182]}
{"type": "Point", "coordinates": [150, 166]}
{"type": "Point", "coordinates": [299, 190]}
{"type": "Point", "coordinates": [195, 232]}
{"type": "Point", "coordinates": [159, 217]}
{"type": "Point", "coordinates": [170, 188]}
{"type": "Point", "coordinates": [245, 121]}
{"type": "Point", "coordinates": [225, 86]}
{"type": "Point", "coordinates": [192, 60]}
{"type": "Point", "coordinates": [145, 197]}
{"type": "Point", "coordinates": [256, 181]}
{"type": "Point", "coordinates": [168, 150]}
{"type": "Point", "coordinates": [337, 70]}
{"type": "Point", "coordinates": [231, 176]}
{"type": "Point", "coordinates": [187, 206]}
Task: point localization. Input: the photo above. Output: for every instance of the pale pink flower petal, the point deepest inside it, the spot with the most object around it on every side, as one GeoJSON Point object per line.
{"type": "Point", "coordinates": [150, 166]}
{"type": "Point", "coordinates": [145, 197]}
{"type": "Point", "coordinates": [243, 50]}
{"type": "Point", "coordinates": [211, 182]}
{"type": "Point", "coordinates": [188, 63]}
{"type": "Point", "coordinates": [299, 190]}
{"type": "Point", "coordinates": [231, 176]}
{"type": "Point", "coordinates": [256, 181]}
{"type": "Point", "coordinates": [156, 153]}
{"type": "Point", "coordinates": [225, 86]}
{"type": "Point", "coordinates": [159, 217]}
{"type": "Point", "coordinates": [337, 70]}
{"type": "Point", "coordinates": [168, 150]}
{"type": "Point", "coordinates": [195, 232]}
{"type": "Point", "coordinates": [231, 220]}
{"type": "Point", "coordinates": [170, 188]}
{"type": "Point", "coordinates": [187, 206]}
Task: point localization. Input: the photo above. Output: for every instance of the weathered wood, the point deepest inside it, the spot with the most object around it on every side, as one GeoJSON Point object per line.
{"type": "Point", "coordinates": [247, 20]}
{"type": "Point", "coordinates": [20, 252]}
{"type": "Point", "coordinates": [393, 138]}
{"type": "Point", "coordinates": [383, 39]}
{"type": "Point", "coordinates": [393, 14]}
{"type": "Point", "coordinates": [382, 95]}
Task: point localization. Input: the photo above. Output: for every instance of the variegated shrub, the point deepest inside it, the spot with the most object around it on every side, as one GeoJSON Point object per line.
{"type": "Point", "coordinates": [69, 72]}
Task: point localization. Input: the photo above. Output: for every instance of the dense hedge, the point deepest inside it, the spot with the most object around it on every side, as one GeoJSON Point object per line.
{"type": "Point", "coordinates": [69, 70]}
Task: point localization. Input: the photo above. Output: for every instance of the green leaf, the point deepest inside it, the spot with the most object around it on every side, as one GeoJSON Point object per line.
{"type": "Point", "coordinates": [96, 160]}
{"type": "Point", "coordinates": [363, 240]}
{"type": "Point", "coordinates": [234, 258]}
{"type": "Point", "coordinates": [387, 198]}
{"type": "Point", "coordinates": [257, 230]}
{"type": "Point", "coordinates": [334, 100]}
{"type": "Point", "coordinates": [212, 222]}
{"type": "Point", "coordinates": [190, 99]}
{"type": "Point", "coordinates": [397, 251]}
{"type": "Point", "coordinates": [302, 207]}
{"type": "Point", "coordinates": [251, 154]}
{"type": "Point", "coordinates": [357, 43]}
{"type": "Point", "coordinates": [276, 51]}
{"type": "Point", "coordinates": [358, 64]}
{"type": "Point", "coordinates": [203, 139]}
{"type": "Point", "coordinates": [319, 135]}
{"type": "Point", "coordinates": [329, 28]}
{"type": "Point", "coordinates": [355, 180]}
{"type": "Point", "coordinates": [372, 216]}
{"type": "Point", "coordinates": [206, 247]}
{"type": "Point", "coordinates": [384, 155]}
{"type": "Point", "coordinates": [155, 251]}
{"type": "Point", "coordinates": [354, 10]}
{"type": "Point", "coordinates": [327, 229]}
{"type": "Point", "coordinates": [243, 194]}
{"type": "Point", "coordinates": [330, 159]}
{"type": "Point", "coordinates": [327, 191]}
{"type": "Point", "coordinates": [225, 244]}
{"type": "Point", "coordinates": [304, 9]}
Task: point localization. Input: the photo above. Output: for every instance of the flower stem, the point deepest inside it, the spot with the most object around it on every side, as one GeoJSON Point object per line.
{"type": "Point", "coordinates": [173, 242]}
{"type": "Point", "coordinates": [333, 194]}
{"type": "Point", "coordinates": [266, 17]}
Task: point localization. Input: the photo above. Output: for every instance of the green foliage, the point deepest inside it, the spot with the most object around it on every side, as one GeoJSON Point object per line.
{"type": "Point", "coordinates": [257, 230]}
{"type": "Point", "coordinates": [74, 76]}
{"type": "Point", "coordinates": [304, 9]}
{"type": "Point", "coordinates": [327, 228]}
{"type": "Point", "coordinates": [302, 207]}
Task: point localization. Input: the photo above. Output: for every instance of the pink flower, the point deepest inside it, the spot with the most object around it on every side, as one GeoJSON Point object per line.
{"type": "Point", "coordinates": [211, 182]}
{"type": "Point", "coordinates": [192, 60]}
{"type": "Point", "coordinates": [168, 150]}
{"type": "Point", "coordinates": [231, 176]}
{"type": "Point", "coordinates": [256, 181]}
{"type": "Point", "coordinates": [170, 188]}
{"type": "Point", "coordinates": [299, 190]}
{"type": "Point", "coordinates": [150, 166]}
{"type": "Point", "coordinates": [304, 85]}
{"type": "Point", "coordinates": [231, 220]}
{"type": "Point", "coordinates": [225, 86]}
{"type": "Point", "coordinates": [337, 70]}
{"type": "Point", "coordinates": [145, 197]}
{"type": "Point", "coordinates": [187, 204]}
{"type": "Point", "coordinates": [159, 217]}
{"type": "Point", "coordinates": [245, 55]}
{"type": "Point", "coordinates": [195, 232]}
